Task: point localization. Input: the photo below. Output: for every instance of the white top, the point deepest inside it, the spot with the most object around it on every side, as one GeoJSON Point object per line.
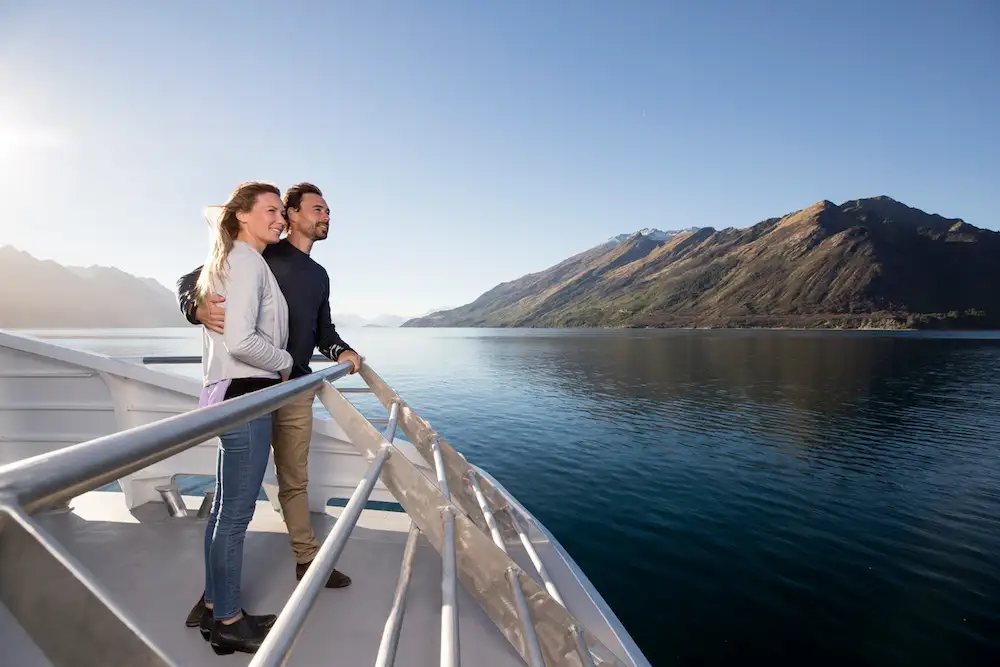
{"type": "Point", "coordinates": [256, 329]}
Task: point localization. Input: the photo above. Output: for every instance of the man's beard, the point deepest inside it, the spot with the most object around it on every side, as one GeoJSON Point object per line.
{"type": "Point", "coordinates": [320, 232]}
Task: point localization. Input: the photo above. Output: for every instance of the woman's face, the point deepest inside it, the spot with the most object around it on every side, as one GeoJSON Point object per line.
{"type": "Point", "coordinates": [264, 223]}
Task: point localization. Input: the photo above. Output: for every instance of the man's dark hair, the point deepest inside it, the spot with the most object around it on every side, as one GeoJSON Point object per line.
{"type": "Point", "coordinates": [293, 196]}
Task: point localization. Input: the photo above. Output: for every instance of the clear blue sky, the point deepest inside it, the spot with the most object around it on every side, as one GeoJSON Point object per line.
{"type": "Point", "coordinates": [461, 144]}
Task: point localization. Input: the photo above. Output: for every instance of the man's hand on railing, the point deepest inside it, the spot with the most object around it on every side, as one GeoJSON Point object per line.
{"type": "Point", "coordinates": [211, 314]}
{"type": "Point", "coordinates": [351, 356]}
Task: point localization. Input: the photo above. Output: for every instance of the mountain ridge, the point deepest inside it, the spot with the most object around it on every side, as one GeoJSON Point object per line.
{"type": "Point", "coordinates": [866, 263]}
{"type": "Point", "coordinates": [50, 295]}
{"type": "Point", "coordinates": [652, 233]}
{"type": "Point", "coordinates": [53, 295]}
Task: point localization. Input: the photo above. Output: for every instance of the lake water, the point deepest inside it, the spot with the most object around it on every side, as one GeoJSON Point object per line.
{"type": "Point", "coordinates": [738, 497]}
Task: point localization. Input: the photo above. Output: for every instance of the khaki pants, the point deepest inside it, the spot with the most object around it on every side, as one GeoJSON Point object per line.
{"type": "Point", "coordinates": [292, 432]}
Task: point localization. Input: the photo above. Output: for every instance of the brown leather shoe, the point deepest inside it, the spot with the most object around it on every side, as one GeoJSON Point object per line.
{"type": "Point", "coordinates": [337, 579]}
{"type": "Point", "coordinates": [194, 618]}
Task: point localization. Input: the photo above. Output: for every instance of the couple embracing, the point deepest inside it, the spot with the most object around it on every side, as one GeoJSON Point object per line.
{"type": "Point", "coordinates": [276, 312]}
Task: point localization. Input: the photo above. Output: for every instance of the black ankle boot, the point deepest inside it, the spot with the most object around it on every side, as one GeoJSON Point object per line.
{"type": "Point", "coordinates": [205, 625]}
{"type": "Point", "coordinates": [194, 616]}
{"type": "Point", "coordinates": [261, 621]}
{"type": "Point", "coordinates": [243, 635]}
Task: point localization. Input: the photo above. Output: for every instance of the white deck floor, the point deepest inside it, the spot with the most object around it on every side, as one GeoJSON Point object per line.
{"type": "Point", "coordinates": [153, 566]}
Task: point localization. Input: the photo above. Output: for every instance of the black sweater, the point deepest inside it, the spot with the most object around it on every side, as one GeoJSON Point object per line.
{"type": "Point", "coordinates": [306, 287]}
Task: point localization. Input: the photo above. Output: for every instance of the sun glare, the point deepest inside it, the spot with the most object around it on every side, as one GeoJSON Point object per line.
{"type": "Point", "coordinates": [23, 136]}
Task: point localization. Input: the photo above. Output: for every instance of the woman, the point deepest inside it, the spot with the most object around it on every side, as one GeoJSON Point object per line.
{"type": "Point", "coordinates": [248, 356]}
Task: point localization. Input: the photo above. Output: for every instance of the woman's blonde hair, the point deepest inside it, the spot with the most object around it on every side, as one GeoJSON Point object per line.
{"type": "Point", "coordinates": [227, 229]}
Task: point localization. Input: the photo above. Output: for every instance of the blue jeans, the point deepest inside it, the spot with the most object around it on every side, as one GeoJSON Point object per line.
{"type": "Point", "coordinates": [240, 466]}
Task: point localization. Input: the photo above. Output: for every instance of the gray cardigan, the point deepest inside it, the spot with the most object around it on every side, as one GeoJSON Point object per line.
{"type": "Point", "coordinates": [256, 330]}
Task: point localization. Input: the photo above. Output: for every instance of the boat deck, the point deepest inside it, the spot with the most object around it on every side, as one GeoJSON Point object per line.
{"type": "Point", "coordinates": [152, 565]}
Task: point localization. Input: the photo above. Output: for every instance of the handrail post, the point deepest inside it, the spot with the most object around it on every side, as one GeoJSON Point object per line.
{"type": "Point", "coordinates": [491, 520]}
{"type": "Point", "coordinates": [442, 478]}
{"type": "Point", "coordinates": [394, 623]}
{"type": "Point", "coordinates": [531, 646]}
{"type": "Point", "coordinates": [390, 428]}
{"type": "Point", "coordinates": [449, 595]}
{"type": "Point", "coordinates": [536, 559]}
{"type": "Point", "coordinates": [277, 646]}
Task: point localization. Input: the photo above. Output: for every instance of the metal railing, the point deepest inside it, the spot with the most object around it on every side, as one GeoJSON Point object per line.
{"type": "Point", "coordinates": [48, 479]}
{"type": "Point", "coordinates": [276, 650]}
{"type": "Point", "coordinates": [38, 599]}
{"type": "Point", "coordinates": [472, 544]}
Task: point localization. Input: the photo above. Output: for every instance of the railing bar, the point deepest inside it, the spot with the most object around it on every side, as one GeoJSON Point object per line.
{"type": "Point", "coordinates": [581, 647]}
{"type": "Point", "coordinates": [535, 559]}
{"type": "Point", "coordinates": [439, 468]}
{"type": "Point", "coordinates": [354, 390]}
{"type": "Point", "coordinates": [491, 520]}
{"type": "Point", "coordinates": [46, 374]}
{"type": "Point", "coordinates": [394, 623]}
{"type": "Point", "coordinates": [54, 477]}
{"type": "Point", "coordinates": [393, 422]}
{"type": "Point", "coordinates": [68, 407]}
{"type": "Point", "coordinates": [449, 575]}
{"type": "Point", "coordinates": [531, 646]}
{"type": "Point", "coordinates": [168, 360]}
{"type": "Point", "coordinates": [277, 647]}
{"type": "Point", "coordinates": [35, 436]}
{"type": "Point", "coordinates": [176, 360]}
{"type": "Point", "coordinates": [449, 595]}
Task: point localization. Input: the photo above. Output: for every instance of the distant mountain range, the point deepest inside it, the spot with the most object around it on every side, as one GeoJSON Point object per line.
{"type": "Point", "coordinates": [39, 294]}
{"type": "Point", "coordinates": [352, 320]}
{"type": "Point", "coordinates": [866, 263]}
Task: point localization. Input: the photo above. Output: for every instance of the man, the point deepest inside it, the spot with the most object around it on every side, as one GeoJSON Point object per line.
{"type": "Point", "coordinates": [306, 287]}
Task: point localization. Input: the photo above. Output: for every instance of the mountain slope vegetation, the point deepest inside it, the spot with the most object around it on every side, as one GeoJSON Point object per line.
{"type": "Point", "coordinates": [864, 263]}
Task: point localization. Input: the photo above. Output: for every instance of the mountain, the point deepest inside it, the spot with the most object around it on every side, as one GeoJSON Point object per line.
{"type": "Point", "coordinates": [866, 263]}
{"type": "Point", "coordinates": [44, 294]}
{"type": "Point", "coordinates": [653, 234]}
{"type": "Point", "coordinates": [383, 321]}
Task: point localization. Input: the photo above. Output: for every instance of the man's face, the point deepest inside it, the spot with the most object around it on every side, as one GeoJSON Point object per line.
{"type": "Point", "coordinates": [312, 219]}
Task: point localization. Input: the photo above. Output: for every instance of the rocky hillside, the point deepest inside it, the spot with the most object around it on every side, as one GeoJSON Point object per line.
{"type": "Point", "coordinates": [865, 263]}
{"type": "Point", "coordinates": [39, 294]}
